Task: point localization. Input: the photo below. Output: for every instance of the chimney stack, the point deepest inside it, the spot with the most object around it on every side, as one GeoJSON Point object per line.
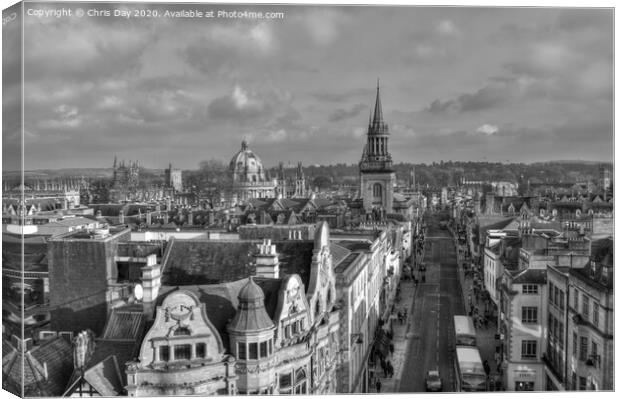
{"type": "Point", "coordinates": [151, 282]}
{"type": "Point", "coordinates": [267, 263]}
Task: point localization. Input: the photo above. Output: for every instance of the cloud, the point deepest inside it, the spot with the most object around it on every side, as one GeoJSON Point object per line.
{"type": "Point", "coordinates": [323, 25]}
{"type": "Point", "coordinates": [487, 129]}
{"type": "Point", "coordinates": [491, 96]}
{"type": "Point", "coordinates": [240, 105]}
{"type": "Point", "coordinates": [358, 132]}
{"type": "Point", "coordinates": [277, 136]}
{"type": "Point", "coordinates": [343, 96]}
{"type": "Point", "coordinates": [110, 102]}
{"type": "Point", "coordinates": [447, 28]}
{"type": "Point", "coordinates": [66, 116]}
{"type": "Point", "coordinates": [427, 51]}
{"type": "Point", "coordinates": [342, 114]}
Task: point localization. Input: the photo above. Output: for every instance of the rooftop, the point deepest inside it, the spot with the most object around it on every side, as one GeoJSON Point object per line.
{"type": "Point", "coordinates": [221, 300]}
{"type": "Point", "coordinates": [529, 276]}
{"type": "Point", "coordinates": [213, 262]}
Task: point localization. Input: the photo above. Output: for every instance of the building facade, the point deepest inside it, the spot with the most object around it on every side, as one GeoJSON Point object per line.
{"type": "Point", "coordinates": [173, 178]}
{"type": "Point", "coordinates": [249, 179]}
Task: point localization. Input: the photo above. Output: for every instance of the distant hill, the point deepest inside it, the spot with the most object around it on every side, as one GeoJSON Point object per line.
{"type": "Point", "coordinates": [437, 174]}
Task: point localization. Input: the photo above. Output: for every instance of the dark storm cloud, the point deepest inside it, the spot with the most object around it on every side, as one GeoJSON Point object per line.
{"type": "Point", "coordinates": [342, 114]}
{"type": "Point", "coordinates": [490, 96]}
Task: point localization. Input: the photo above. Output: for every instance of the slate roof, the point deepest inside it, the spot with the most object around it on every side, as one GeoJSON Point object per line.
{"type": "Point", "coordinates": [530, 276]}
{"type": "Point", "coordinates": [341, 266]}
{"type": "Point", "coordinates": [105, 377]}
{"type": "Point", "coordinates": [119, 344]}
{"type": "Point", "coordinates": [354, 245]}
{"type": "Point", "coordinates": [338, 252]}
{"type": "Point", "coordinates": [602, 251]}
{"type": "Point", "coordinates": [211, 262]}
{"type": "Point", "coordinates": [55, 355]}
{"type": "Point", "coordinates": [123, 325]}
{"type": "Point", "coordinates": [251, 315]}
{"type": "Point", "coordinates": [601, 260]}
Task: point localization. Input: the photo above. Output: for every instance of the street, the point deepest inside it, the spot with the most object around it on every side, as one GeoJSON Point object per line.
{"type": "Point", "coordinates": [436, 301]}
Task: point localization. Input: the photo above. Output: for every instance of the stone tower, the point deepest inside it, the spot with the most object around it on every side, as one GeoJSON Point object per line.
{"type": "Point", "coordinates": [377, 177]}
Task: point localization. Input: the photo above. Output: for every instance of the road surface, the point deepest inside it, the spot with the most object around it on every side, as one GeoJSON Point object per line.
{"type": "Point", "coordinates": [437, 300]}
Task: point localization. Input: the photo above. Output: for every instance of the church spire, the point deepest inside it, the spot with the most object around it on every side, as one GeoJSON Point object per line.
{"type": "Point", "coordinates": [378, 117]}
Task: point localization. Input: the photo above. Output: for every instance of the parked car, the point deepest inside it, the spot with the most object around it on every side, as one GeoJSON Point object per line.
{"type": "Point", "coordinates": [433, 381]}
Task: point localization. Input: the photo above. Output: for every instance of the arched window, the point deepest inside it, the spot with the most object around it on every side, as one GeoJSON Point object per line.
{"type": "Point", "coordinates": [181, 331]}
{"type": "Point", "coordinates": [300, 374]}
{"type": "Point", "coordinates": [300, 381]}
{"type": "Point", "coordinates": [377, 190]}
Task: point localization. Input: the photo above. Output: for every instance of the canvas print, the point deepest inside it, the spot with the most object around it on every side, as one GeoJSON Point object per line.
{"type": "Point", "coordinates": [297, 199]}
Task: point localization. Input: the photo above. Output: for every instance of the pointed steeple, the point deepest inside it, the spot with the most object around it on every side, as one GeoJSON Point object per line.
{"type": "Point", "coordinates": [378, 116]}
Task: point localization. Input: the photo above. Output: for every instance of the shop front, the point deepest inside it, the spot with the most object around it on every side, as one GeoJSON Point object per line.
{"type": "Point", "coordinates": [525, 378]}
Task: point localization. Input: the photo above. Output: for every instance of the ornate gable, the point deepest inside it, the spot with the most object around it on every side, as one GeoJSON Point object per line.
{"type": "Point", "coordinates": [181, 334]}
{"type": "Point", "coordinates": [321, 292]}
{"type": "Point", "coordinates": [292, 317]}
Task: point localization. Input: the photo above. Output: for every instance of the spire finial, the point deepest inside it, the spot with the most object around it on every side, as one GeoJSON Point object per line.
{"type": "Point", "coordinates": [378, 117]}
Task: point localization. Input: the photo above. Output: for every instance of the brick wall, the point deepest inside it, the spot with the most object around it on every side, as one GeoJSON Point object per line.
{"type": "Point", "coordinates": [79, 273]}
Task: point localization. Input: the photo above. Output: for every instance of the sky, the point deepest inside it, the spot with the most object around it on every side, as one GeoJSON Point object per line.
{"type": "Point", "coordinates": [457, 83]}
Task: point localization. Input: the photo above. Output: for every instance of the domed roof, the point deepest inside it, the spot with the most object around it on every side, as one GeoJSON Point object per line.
{"type": "Point", "coordinates": [245, 164]}
{"type": "Point", "coordinates": [251, 315]}
{"type": "Point", "coordinates": [251, 292]}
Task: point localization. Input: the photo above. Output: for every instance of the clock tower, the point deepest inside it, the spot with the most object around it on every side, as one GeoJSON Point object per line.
{"type": "Point", "coordinates": [377, 177]}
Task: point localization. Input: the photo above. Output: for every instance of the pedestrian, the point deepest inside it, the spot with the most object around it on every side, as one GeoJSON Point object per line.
{"type": "Point", "coordinates": [405, 316]}
{"type": "Point", "coordinates": [378, 385]}
{"type": "Point", "coordinates": [383, 365]}
{"type": "Point", "coordinates": [390, 369]}
{"type": "Point", "coordinates": [392, 349]}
